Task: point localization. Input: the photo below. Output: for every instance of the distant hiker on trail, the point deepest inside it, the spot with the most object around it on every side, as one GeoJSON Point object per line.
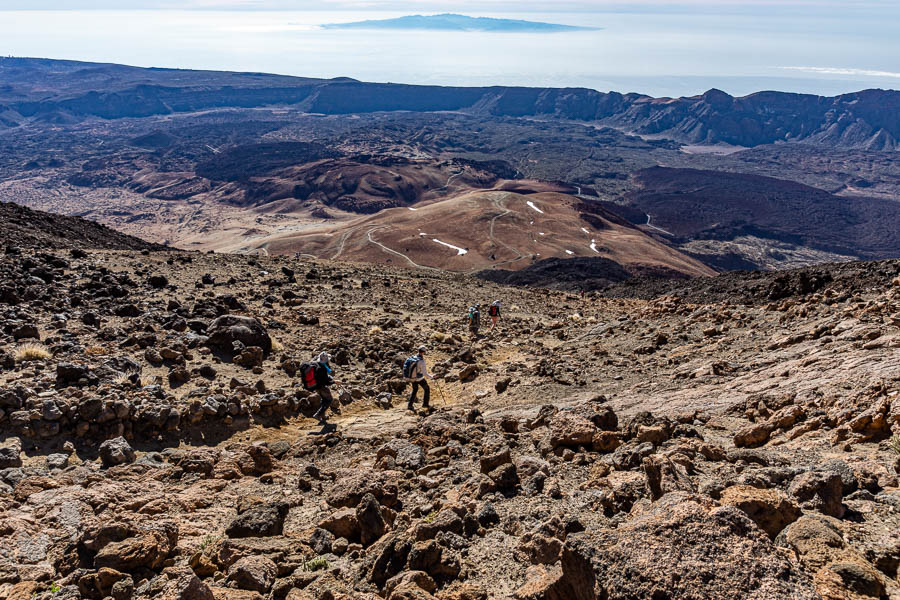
{"type": "Point", "coordinates": [474, 319]}
{"type": "Point", "coordinates": [494, 312]}
{"type": "Point", "coordinates": [316, 378]}
{"type": "Point", "coordinates": [415, 370]}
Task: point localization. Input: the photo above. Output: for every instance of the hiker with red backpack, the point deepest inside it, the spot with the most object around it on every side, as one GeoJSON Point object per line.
{"type": "Point", "coordinates": [415, 370]}
{"type": "Point", "coordinates": [317, 378]}
{"type": "Point", "coordinates": [494, 312]}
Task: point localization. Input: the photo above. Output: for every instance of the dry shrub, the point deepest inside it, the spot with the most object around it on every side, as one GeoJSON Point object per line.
{"type": "Point", "coordinates": [375, 330]}
{"type": "Point", "coordinates": [30, 352]}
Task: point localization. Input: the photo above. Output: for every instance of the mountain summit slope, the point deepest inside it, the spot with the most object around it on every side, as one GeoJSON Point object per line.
{"type": "Point", "coordinates": [26, 228]}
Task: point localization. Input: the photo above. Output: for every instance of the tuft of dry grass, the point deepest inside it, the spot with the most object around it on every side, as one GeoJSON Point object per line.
{"type": "Point", "coordinates": [277, 346]}
{"type": "Point", "coordinates": [32, 352]}
{"type": "Point", "coordinates": [375, 330]}
{"type": "Point", "coordinates": [96, 350]}
{"type": "Point", "coordinates": [895, 444]}
{"type": "Point", "coordinates": [437, 336]}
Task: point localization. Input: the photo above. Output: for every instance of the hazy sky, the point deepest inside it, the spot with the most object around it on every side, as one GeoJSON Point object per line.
{"type": "Point", "coordinates": [660, 47]}
{"type": "Point", "coordinates": [477, 6]}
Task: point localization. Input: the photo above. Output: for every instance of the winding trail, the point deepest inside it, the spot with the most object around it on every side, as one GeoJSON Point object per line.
{"type": "Point", "coordinates": [342, 242]}
{"type": "Point", "coordinates": [449, 179]}
{"type": "Point", "coordinates": [394, 252]}
{"type": "Point", "coordinates": [519, 256]}
{"type": "Point", "coordinates": [657, 228]}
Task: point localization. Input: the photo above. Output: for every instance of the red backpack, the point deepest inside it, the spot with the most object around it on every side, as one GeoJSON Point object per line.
{"type": "Point", "coordinates": [309, 374]}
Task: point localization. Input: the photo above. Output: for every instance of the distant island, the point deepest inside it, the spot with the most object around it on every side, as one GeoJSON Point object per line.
{"type": "Point", "coordinates": [453, 22]}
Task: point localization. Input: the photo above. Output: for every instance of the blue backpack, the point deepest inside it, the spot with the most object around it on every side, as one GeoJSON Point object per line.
{"type": "Point", "coordinates": [408, 365]}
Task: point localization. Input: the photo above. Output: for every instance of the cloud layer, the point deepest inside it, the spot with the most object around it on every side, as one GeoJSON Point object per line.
{"type": "Point", "coordinates": [843, 71]}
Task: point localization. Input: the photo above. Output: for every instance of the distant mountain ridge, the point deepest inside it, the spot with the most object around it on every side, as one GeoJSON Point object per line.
{"type": "Point", "coordinates": [866, 120]}
{"type": "Point", "coordinates": [455, 22]}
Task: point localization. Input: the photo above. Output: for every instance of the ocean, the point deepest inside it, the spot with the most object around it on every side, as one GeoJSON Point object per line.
{"type": "Point", "coordinates": [659, 53]}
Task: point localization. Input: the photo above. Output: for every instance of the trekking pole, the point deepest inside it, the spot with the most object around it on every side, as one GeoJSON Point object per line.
{"type": "Point", "coordinates": [441, 390]}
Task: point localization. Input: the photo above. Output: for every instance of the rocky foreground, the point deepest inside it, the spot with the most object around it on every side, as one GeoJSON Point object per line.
{"type": "Point", "coordinates": [156, 440]}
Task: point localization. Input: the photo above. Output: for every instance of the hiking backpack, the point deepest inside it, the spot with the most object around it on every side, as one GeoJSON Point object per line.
{"type": "Point", "coordinates": [475, 316]}
{"type": "Point", "coordinates": [408, 365]}
{"type": "Point", "coordinates": [309, 374]}
{"type": "Point", "coordinates": [494, 310]}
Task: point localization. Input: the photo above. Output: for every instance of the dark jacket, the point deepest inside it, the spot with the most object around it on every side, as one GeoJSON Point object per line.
{"type": "Point", "coordinates": [323, 374]}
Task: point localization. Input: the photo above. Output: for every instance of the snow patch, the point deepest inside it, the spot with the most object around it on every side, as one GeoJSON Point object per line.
{"type": "Point", "coordinates": [459, 251]}
{"type": "Point", "coordinates": [411, 208]}
{"type": "Point", "coordinates": [531, 204]}
{"type": "Point", "coordinates": [594, 246]}
{"type": "Point", "coordinates": [569, 252]}
{"type": "Point", "coordinates": [540, 233]}
{"type": "Point", "coordinates": [586, 231]}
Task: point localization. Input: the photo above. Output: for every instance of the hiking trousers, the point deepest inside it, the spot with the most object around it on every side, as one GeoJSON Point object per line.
{"type": "Point", "coordinates": [327, 399]}
{"type": "Point", "coordinates": [415, 391]}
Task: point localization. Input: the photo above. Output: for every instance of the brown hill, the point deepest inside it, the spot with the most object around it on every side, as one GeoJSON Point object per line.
{"type": "Point", "coordinates": [487, 229]}
{"type": "Point", "coordinates": [26, 228]}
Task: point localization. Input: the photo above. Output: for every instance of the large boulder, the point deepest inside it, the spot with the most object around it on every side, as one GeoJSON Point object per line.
{"type": "Point", "coordinates": [753, 435]}
{"type": "Point", "coordinates": [342, 523]}
{"type": "Point", "coordinates": [352, 484]}
{"type": "Point", "coordinates": [819, 490]}
{"type": "Point", "coordinates": [228, 329]}
{"type": "Point", "coordinates": [571, 431]}
{"type": "Point", "coordinates": [771, 510]}
{"type": "Point", "coordinates": [404, 454]}
{"type": "Point", "coordinates": [9, 458]}
{"type": "Point", "coordinates": [688, 548]}
{"type": "Point", "coordinates": [146, 550]}
{"type": "Point", "coordinates": [184, 585]}
{"type": "Point", "coordinates": [254, 573]}
{"type": "Point", "coordinates": [116, 451]}
{"type": "Point", "coordinates": [259, 521]}
{"type": "Point", "coordinates": [371, 522]}
{"type": "Point", "coordinates": [839, 570]}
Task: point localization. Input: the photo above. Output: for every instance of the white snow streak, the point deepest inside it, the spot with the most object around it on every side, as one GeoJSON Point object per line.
{"type": "Point", "coordinates": [459, 251]}
{"type": "Point", "coordinates": [531, 204]}
{"type": "Point", "coordinates": [569, 252]}
{"type": "Point", "coordinates": [586, 231]}
{"type": "Point", "coordinates": [594, 246]}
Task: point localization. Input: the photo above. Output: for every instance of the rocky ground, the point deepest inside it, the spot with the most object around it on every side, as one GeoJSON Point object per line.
{"type": "Point", "coordinates": [156, 441]}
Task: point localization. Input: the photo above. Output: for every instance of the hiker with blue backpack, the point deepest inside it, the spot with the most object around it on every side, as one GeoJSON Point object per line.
{"type": "Point", "coordinates": [415, 370]}
{"type": "Point", "coordinates": [474, 317]}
